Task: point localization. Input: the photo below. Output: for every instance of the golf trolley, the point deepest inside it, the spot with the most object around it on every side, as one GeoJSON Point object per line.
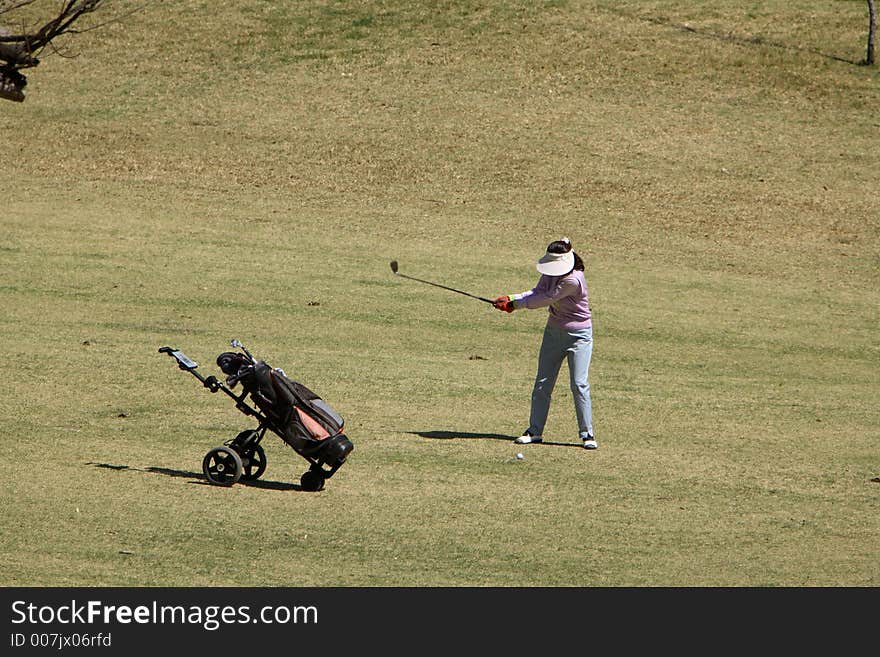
{"type": "Point", "coordinates": [285, 407]}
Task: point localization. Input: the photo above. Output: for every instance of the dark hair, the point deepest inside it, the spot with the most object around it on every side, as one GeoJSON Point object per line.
{"type": "Point", "coordinates": [564, 246]}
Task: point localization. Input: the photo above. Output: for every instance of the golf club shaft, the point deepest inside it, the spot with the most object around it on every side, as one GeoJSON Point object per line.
{"type": "Point", "coordinates": [451, 289]}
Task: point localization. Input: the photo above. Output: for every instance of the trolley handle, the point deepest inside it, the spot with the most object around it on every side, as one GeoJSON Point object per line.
{"type": "Point", "coordinates": [211, 382]}
{"type": "Point", "coordinates": [184, 362]}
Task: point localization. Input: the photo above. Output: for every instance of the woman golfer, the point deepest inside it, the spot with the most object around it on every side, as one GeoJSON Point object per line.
{"type": "Point", "coordinates": [568, 335]}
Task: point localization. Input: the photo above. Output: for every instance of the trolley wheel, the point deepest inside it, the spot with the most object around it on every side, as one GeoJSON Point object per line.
{"type": "Point", "coordinates": [222, 466]}
{"type": "Point", "coordinates": [312, 480]}
{"type": "Point", "coordinates": [254, 463]}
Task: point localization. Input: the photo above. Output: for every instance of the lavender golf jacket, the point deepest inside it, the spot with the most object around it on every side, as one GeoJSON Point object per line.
{"type": "Point", "coordinates": [566, 296]}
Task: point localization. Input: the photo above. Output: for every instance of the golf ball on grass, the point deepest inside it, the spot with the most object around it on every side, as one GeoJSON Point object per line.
{"type": "Point", "coordinates": [519, 456]}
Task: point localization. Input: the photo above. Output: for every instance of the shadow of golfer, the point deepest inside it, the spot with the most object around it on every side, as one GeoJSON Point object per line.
{"type": "Point", "coordinates": [453, 435]}
{"type": "Point", "coordinates": [467, 435]}
{"type": "Point", "coordinates": [199, 477]}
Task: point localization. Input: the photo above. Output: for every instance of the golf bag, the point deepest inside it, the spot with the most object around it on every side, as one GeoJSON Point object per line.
{"type": "Point", "coordinates": [296, 414]}
{"type": "Point", "coordinates": [301, 418]}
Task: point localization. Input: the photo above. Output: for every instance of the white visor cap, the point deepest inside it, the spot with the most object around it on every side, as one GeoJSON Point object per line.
{"type": "Point", "coordinates": [556, 264]}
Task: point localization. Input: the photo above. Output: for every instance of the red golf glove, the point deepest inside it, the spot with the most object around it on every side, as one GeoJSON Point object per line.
{"type": "Point", "coordinates": [504, 303]}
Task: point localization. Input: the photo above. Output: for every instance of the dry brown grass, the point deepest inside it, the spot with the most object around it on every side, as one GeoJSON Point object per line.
{"type": "Point", "coordinates": [205, 171]}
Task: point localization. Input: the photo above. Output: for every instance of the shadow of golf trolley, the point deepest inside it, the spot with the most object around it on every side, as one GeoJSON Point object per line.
{"type": "Point", "coordinates": [279, 404]}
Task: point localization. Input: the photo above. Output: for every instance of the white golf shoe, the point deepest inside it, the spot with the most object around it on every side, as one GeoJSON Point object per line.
{"type": "Point", "coordinates": [590, 443]}
{"type": "Point", "coordinates": [528, 438]}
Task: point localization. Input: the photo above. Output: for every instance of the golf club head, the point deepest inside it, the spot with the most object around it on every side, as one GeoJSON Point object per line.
{"type": "Point", "coordinates": [238, 345]}
{"type": "Point", "coordinates": [394, 266]}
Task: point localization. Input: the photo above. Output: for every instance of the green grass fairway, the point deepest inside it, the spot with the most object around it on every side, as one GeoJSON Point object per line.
{"type": "Point", "coordinates": [204, 171]}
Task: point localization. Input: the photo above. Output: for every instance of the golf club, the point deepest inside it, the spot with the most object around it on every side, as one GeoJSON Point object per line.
{"type": "Point", "coordinates": [394, 268]}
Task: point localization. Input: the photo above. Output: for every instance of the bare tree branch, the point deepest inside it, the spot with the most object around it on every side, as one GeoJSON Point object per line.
{"type": "Point", "coordinates": [10, 5]}
{"type": "Point", "coordinates": [21, 50]}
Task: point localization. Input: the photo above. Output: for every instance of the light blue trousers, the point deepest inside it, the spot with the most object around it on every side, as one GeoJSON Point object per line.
{"type": "Point", "coordinates": [556, 346]}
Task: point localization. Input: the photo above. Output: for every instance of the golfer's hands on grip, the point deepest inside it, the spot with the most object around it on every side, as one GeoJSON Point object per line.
{"type": "Point", "coordinates": [504, 303]}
